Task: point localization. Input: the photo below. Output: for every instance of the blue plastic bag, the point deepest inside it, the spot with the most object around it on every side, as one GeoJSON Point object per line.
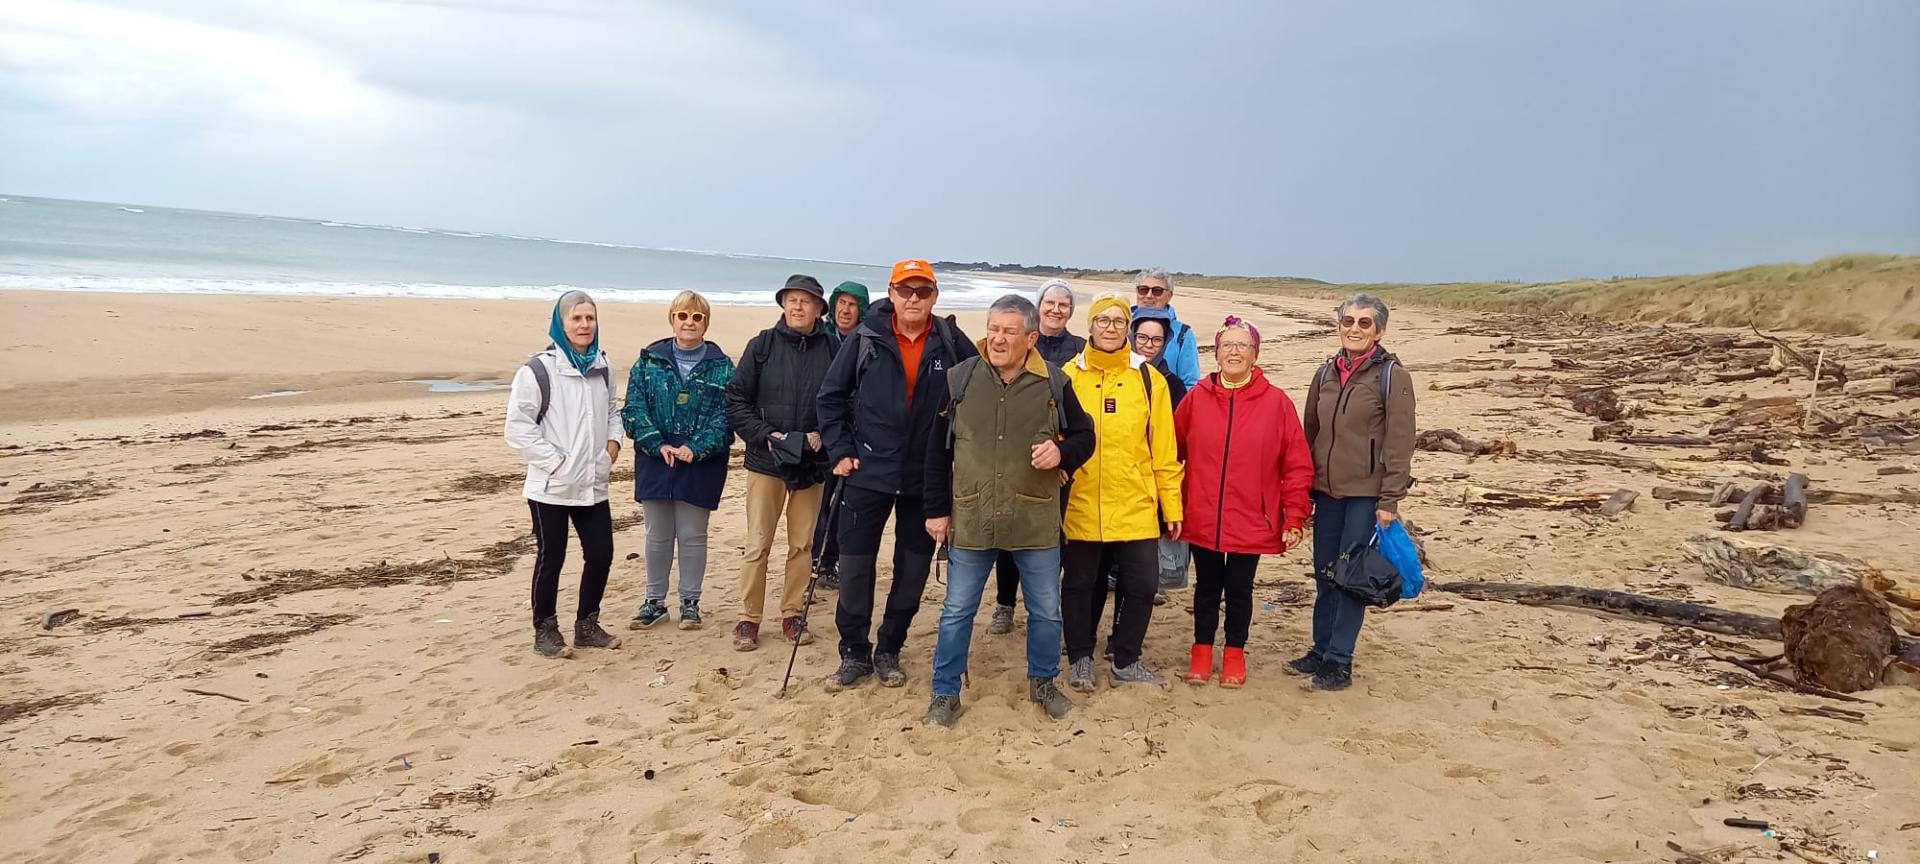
{"type": "Point", "coordinates": [1396, 545]}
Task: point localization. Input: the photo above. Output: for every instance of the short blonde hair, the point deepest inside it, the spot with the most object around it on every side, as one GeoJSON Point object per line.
{"type": "Point", "coordinates": [689, 301]}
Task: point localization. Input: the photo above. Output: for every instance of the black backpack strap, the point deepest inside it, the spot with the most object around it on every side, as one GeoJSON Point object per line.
{"type": "Point", "coordinates": [959, 377]}
{"type": "Point", "coordinates": [541, 378]}
{"type": "Point", "coordinates": [1057, 382]}
{"type": "Point", "coordinates": [1146, 385]}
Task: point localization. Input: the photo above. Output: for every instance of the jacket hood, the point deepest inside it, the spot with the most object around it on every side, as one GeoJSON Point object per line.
{"type": "Point", "coordinates": [852, 289]}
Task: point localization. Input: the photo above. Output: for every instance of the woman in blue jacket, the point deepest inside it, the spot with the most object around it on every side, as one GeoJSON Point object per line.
{"type": "Point", "coordinates": [676, 414]}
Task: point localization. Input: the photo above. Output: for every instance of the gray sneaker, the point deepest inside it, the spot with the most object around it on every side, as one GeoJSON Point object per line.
{"type": "Point", "coordinates": [1043, 692]}
{"type": "Point", "coordinates": [651, 612]}
{"type": "Point", "coordinates": [942, 711]}
{"type": "Point", "coordinates": [886, 667]}
{"type": "Point", "coordinates": [690, 615]}
{"type": "Point", "coordinates": [1002, 620]}
{"type": "Point", "coordinates": [1138, 673]}
{"type": "Point", "coordinates": [1080, 675]}
{"type": "Point", "coordinates": [547, 641]}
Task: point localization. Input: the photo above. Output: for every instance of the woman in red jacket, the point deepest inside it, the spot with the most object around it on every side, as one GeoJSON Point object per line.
{"type": "Point", "coordinates": [1236, 428]}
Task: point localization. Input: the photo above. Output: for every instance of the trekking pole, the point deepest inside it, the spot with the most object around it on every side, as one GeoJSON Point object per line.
{"type": "Point", "coordinates": [813, 578]}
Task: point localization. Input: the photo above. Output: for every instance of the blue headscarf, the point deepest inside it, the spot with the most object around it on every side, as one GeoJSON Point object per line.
{"type": "Point", "coordinates": [557, 331]}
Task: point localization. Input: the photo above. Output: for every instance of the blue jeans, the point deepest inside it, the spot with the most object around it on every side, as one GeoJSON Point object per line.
{"type": "Point", "coordinates": [1338, 523]}
{"type": "Point", "coordinates": [967, 571]}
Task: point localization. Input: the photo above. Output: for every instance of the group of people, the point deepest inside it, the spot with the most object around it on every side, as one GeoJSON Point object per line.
{"type": "Point", "coordinates": [1071, 468]}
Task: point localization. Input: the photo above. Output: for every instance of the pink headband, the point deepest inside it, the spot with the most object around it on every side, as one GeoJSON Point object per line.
{"type": "Point", "coordinates": [1232, 322]}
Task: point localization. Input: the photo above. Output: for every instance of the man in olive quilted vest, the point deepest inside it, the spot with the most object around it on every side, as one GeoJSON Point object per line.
{"type": "Point", "coordinates": [1012, 433]}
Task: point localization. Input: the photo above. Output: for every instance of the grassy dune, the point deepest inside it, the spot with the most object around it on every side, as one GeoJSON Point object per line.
{"type": "Point", "coordinates": [1870, 295]}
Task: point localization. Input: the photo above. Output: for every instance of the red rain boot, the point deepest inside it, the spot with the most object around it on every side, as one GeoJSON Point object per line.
{"type": "Point", "coordinates": [1200, 667]}
{"type": "Point", "coordinates": [1233, 668]}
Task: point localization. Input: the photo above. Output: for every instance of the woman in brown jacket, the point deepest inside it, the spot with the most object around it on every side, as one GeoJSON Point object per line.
{"type": "Point", "coordinates": [1359, 425]}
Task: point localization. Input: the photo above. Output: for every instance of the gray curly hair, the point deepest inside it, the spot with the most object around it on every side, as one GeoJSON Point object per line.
{"type": "Point", "coordinates": [1364, 301]}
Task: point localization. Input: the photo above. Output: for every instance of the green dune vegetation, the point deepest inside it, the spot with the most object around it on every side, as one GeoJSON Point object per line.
{"type": "Point", "coordinates": [1852, 295]}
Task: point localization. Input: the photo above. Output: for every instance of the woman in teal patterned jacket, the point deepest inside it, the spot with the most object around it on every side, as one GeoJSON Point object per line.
{"type": "Point", "coordinates": [676, 414]}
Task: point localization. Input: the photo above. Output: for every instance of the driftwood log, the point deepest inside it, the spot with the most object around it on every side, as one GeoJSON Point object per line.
{"type": "Point", "coordinates": [1449, 441]}
{"type": "Point", "coordinates": [1743, 563]}
{"type": "Point", "coordinates": [1635, 606]}
{"type": "Point", "coordinates": [1814, 496]}
{"type": "Point", "coordinates": [1793, 502]}
{"type": "Point", "coordinates": [1840, 641]}
{"type": "Point", "coordinates": [1744, 513]}
{"type": "Point", "coordinates": [1506, 499]}
{"type": "Point", "coordinates": [1619, 502]}
{"type": "Point", "coordinates": [1599, 402]}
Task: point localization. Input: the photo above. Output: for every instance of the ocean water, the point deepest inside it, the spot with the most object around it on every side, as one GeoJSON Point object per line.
{"type": "Point", "coordinates": [53, 244]}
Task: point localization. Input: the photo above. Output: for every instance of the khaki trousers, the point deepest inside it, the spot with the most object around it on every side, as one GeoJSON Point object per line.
{"type": "Point", "coordinates": [766, 498]}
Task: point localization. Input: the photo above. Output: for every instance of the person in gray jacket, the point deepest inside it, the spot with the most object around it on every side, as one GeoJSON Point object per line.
{"type": "Point", "coordinates": [561, 420]}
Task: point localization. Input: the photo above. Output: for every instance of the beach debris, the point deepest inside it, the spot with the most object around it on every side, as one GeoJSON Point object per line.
{"type": "Point", "coordinates": [199, 692]}
{"type": "Point", "coordinates": [1741, 563]}
{"type": "Point", "coordinates": [1757, 668]}
{"type": "Point", "coordinates": [648, 774]}
{"type": "Point", "coordinates": [1734, 822]}
{"type": "Point", "coordinates": [57, 618]}
{"type": "Point", "coordinates": [488, 562]}
{"type": "Point", "coordinates": [1619, 502]}
{"type": "Point", "coordinates": [479, 793]}
{"type": "Point", "coordinates": [45, 495]}
{"type": "Point", "coordinates": [1449, 441]}
{"type": "Point", "coordinates": [1476, 496]}
{"type": "Point", "coordinates": [1640, 607]}
{"type": "Point", "coordinates": [10, 711]}
{"type": "Point", "coordinates": [306, 624]}
{"type": "Point", "coordinates": [658, 682]}
{"type": "Point", "coordinates": [1841, 640]}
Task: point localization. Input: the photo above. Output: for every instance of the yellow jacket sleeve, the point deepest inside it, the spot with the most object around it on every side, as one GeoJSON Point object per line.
{"type": "Point", "coordinates": [1165, 451]}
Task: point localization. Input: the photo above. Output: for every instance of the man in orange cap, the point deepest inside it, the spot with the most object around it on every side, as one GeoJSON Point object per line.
{"type": "Point", "coordinates": [877, 411]}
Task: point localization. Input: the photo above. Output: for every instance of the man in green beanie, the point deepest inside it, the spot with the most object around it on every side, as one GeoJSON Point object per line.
{"type": "Point", "coordinates": [849, 304]}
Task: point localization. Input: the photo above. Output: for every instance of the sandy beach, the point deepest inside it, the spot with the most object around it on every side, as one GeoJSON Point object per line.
{"type": "Point", "coordinates": [302, 636]}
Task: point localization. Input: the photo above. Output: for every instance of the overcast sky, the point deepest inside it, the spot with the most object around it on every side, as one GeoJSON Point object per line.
{"type": "Point", "coordinates": [1412, 140]}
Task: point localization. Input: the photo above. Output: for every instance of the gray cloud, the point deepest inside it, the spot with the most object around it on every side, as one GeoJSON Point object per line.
{"type": "Point", "coordinates": [1404, 140]}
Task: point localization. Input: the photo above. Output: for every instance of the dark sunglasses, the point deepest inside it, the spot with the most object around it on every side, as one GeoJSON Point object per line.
{"type": "Point", "coordinates": [695, 317]}
{"type": "Point", "coordinates": [1351, 323]}
{"type": "Point", "coordinates": [1149, 290]}
{"type": "Point", "coordinates": [920, 292]}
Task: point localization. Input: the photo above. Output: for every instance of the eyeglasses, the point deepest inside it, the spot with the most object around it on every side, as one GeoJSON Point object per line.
{"type": "Point", "coordinates": [1235, 347]}
{"type": "Point", "coordinates": [1150, 290]}
{"type": "Point", "coordinates": [1149, 340]}
{"type": "Point", "coordinates": [918, 292]}
{"type": "Point", "coordinates": [1105, 323]}
{"type": "Point", "coordinates": [1351, 323]}
{"type": "Point", "coordinates": [695, 317]}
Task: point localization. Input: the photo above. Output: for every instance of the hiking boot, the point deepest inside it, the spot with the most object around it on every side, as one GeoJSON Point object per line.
{"type": "Point", "coordinates": [1200, 665]}
{"type": "Point", "coordinates": [1044, 693]}
{"type": "Point", "coordinates": [587, 634]}
{"type": "Point", "coordinates": [651, 612]}
{"type": "Point", "coordinates": [886, 667]}
{"type": "Point", "coordinates": [1002, 620]}
{"type": "Point", "coordinates": [547, 641]}
{"type": "Point", "coordinates": [746, 636]}
{"type": "Point", "coordinates": [1160, 597]}
{"type": "Point", "coordinates": [1080, 675]}
{"type": "Point", "coordinates": [1305, 664]}
{"type": "Point", "coordinates": [942, 711]}
{"type": "Point", "coordinates": [796, 630]}
{"type": "Point", "coordinates": [1333, 676]}
{"type": "Point", "coordinates": [690, 615]}
{"type": "Point", "coordinates": [1233, 667]}
{"type": "Point", "coordinates": [1138, 673]}
{"type": "Point", "coordinates": [829, 576]}
{"type": "Point", "coordinates": [852, 671]}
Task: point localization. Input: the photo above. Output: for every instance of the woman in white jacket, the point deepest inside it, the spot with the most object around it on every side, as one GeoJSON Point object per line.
{"type": "Point", "coordinates": [561, 419]}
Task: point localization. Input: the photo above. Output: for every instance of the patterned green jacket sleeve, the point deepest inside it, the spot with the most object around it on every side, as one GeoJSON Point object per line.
{"type": "Point", "coordinates": [711, 434]}
{"type": "Point", "coordinates": [637, 414]}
